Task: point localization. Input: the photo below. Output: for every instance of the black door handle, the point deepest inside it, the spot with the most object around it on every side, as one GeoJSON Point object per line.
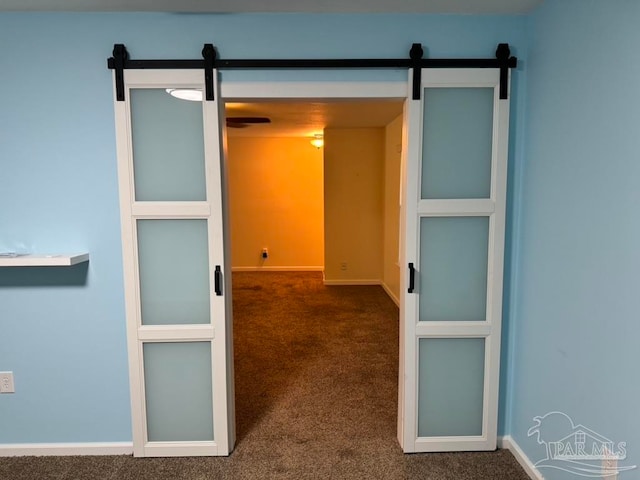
{"type": "Point", "coordinates": [218, 281]}
{"type": "Point", "coordinates": [412, 278]}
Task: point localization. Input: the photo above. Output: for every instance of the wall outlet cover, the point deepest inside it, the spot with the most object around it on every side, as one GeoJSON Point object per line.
{"type": "Point", "coordinates": [6, 382]}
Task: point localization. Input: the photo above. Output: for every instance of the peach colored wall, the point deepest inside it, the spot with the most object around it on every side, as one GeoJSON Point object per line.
{"type": "Point", "coordinates": [393, 152]}
{"type": "Point", "coordinates": [353, 194]}
{"type": "Point", "coordinates": [275, 201]}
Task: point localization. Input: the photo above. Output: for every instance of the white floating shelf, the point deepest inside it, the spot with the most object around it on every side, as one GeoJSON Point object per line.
{"type": "Point", "coordinates": [44, 260]}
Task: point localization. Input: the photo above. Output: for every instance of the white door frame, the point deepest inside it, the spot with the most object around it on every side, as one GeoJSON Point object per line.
{"type": "Point", "coordinates": [326, 91]}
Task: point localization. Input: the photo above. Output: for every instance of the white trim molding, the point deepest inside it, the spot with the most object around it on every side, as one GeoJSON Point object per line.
{"type": "Point", "coordinates": [326, 282]}
{"type": "Point", "coordinates": [352, 282]}
{"type": "Point", "coordinates": [387, 290]}
{"type": "Point", "coordinates": [392, 296]}
{"type": "Point", "coordinates": [251, 91]}
{"type": "Point", "coordinates": [508, 443]}
{"type": "Point", "coordinates": [278, 269]}
{"type": "Point", "coordinates": [65, 449]}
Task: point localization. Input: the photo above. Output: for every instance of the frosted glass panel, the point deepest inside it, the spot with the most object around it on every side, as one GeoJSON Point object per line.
{"type": "Point", "coordinates": [168, 147]}
{"type": "Point", "coordinates": [174, 271]}
{"type": "Point", "coordinates": [177, 380]}
{"type": "Point", "coordinates": [453, 268]}
{"type": "Point", "coordinates": [457, 136]}
{"type": "Point", "coordinates": [450, 388]}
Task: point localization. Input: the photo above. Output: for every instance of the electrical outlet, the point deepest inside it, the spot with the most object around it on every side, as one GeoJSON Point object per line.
{"type": "Point", "coordinates": [6, 382]}
{"type": "Point", "coordinates": [265, 252]}
{"type": "Point", "coordinates": [343, 266]}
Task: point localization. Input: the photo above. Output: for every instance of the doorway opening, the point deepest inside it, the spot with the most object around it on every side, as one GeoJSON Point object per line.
{"type": "Point", "coordinates": [315, 256]}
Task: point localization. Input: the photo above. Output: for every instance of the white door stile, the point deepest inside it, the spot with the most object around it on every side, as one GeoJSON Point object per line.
{"type": "Point", "coordinates": [222, 348]}
{"type": "Point", "coordinates": [497, 231]}
{"type": "Point", "coordinates": [412, 146]}
{"type": "Point", "coordinates": [211, 210]}
{"type": "Point", "coordinates": [226, 384]}
{"type": "Point", "coordinates": [125, 181]}
{"type": "Point", "coordinates": [402, 283]}
{"type": "Point", "coordinates": [412, 330]}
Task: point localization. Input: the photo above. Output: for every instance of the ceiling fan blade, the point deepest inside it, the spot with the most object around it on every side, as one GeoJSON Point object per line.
{"type": "Point", "coordinates": [248, 120]}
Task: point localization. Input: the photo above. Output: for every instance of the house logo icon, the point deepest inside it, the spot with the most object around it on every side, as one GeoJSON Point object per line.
{"type": "Point", "coordinates": [577, 449]}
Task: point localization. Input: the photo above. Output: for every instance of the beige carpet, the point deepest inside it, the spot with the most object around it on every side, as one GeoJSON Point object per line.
{"type": "Point", "coordinates": [316, 397]}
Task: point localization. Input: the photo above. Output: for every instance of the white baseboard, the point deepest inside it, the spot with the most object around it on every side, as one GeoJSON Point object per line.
{"type": "Point", "coordinates": [352, 282]}
{"type": "Point", "coordinates": [65, 449]}
{"type": "Point", "coordinates": [392, 296]}
{"type": "Point", "coordinates": [508, 443]}
{"type": "Point", "coordinates": [278, 269]}
{"type": "Point", "coordinates": [326, 282]}
{"type": "Point", "coordinates": [365, 282]}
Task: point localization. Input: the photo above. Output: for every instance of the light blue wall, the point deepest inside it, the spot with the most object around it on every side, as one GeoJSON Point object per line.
{"type": "Point", "coordinates": [63, 331]}
{"type": "Point", "coordinates": [577, 321]}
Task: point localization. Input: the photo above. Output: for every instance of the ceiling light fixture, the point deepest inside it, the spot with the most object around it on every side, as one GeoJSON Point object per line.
{"type": "Point", "coordinates": [190, 94]}
{"type": "Point", "coordinates": [318, 140]}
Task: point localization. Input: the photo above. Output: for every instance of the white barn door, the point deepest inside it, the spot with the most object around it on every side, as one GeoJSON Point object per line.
{"type": "Point", "coordinates": [177, 274]}
{"type": "Point", "coordinates": [454, 214]}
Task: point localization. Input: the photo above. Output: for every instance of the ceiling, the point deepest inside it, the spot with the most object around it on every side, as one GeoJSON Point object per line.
{"type": "Point", "coordinates": [246, 6]}
{"type": "Point", "coordinates": [298, 119]}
